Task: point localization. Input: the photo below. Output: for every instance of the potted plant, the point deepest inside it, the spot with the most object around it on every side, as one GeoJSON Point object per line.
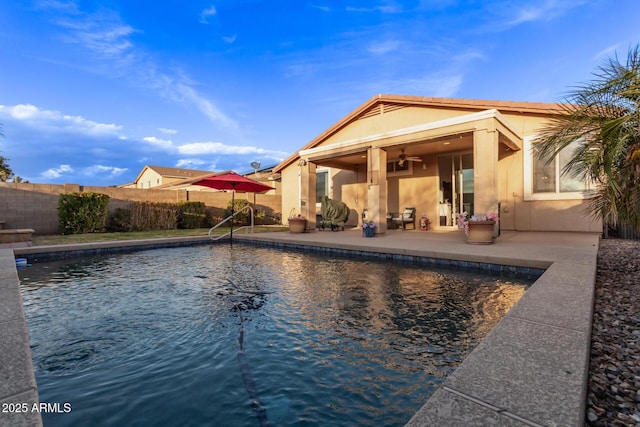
{"type": "Point", "coordinates": [297, 224]}
{"type": "Point", "coordinates": [478, 228]}
{"type": "Point", "coordinates": [368, 228]}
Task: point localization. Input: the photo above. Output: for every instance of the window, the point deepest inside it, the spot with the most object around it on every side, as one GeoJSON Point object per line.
{"type": "Point", "coordinates": [322, 185]}
{"type": "Point", "coordinates": [395, 169]}
{"type": "Point", "coordinates": [545, 181]}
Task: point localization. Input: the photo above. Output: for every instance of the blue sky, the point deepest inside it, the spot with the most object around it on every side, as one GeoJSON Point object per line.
{"type": "Point", "coordinates": [91, 91]}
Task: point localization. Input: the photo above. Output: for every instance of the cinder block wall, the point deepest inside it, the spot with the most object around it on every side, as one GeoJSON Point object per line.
{"type": "Point", "coordinates": [36, 205]}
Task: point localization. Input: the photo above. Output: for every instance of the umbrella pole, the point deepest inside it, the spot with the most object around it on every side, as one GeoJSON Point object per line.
{"type": "Point", "coordinates": [233, 195]}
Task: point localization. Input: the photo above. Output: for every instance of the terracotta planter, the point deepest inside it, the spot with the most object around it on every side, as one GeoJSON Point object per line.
{"type": "Point", "coordinates": [297, 225]}
{"type": "Point", "coordinates": [480, 232]}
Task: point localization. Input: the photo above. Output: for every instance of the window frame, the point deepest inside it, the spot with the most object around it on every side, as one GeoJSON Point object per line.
{"type": "Point", "coordinates": [328, 182]}
{"type": "Point", "coordinates": [402, 172]}
{"type": "Point", "coordinates": [530, 195]}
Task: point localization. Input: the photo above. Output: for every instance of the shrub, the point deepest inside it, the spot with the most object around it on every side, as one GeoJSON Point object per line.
{"type": "Point", "coordinates": [191, 214]}
{"type": "Point", "coordinates": [82, 212]}
{"type": "Point", "coordinates": [147, 216]}
{"type": "Point", "coordinates": [120, 220]}
{"type": "Point", "coordinates": [241, 218]}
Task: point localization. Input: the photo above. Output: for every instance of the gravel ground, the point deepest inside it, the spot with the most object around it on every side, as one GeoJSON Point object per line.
{"type": "Point", "coordinates": [614, 370]}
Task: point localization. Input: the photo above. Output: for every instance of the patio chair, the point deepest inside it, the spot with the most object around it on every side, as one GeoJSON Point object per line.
{"type": "Point", "coordinates": [407, 217]}
{"type": "Point", "coordinates": [334, 214]}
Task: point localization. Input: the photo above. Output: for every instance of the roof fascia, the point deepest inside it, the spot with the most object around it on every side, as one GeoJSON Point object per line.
{"type": "Point", "coordinates": [353, 144]}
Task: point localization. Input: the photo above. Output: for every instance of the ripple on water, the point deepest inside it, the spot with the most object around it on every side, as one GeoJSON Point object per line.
{"type": "Point", "coordinates": [152, 338]}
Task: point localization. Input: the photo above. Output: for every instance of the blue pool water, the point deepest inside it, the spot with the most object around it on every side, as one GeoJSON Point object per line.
{"type": "Point", "coordinates": [249, 336]}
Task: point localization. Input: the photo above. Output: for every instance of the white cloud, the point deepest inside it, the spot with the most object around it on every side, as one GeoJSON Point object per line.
{"type": "Point", "coordinates": [200, 148]}
{"type": "Point", "coordinates": [205, 106]}
{"type": "Point", "coordinates": [54, 173]}
{"type": "Point", "coordinates": [105, 35]}
{"type": "Point", "coordinates": [387, 6]}
{"type": "Point", "coordinates": [320, 7]}
{"type": "Point", "coordinates": [384, 47]}
{"type": "Point", "coordinates": [607, 53]}
{"type": "Point", "coordinates": [160, 143]}
{"type": "Point", "coordinates": [109, 171]}
{"type": "Point", "coordinates": [168, 131]}
{"type": "Point", "coordinates": [193, 164]}
{"type": "Point", "coordinates": [229, 39]}
{"type": "Point", "coordinates": [54, 121]}
{"type": "Point", "coordinates": [547, 10]}
{"type": "Point", "coordinates": [210, 11]}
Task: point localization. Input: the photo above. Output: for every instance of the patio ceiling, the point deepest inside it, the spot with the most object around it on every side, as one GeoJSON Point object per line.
{"type": "Point", "coordinates": [358, 156]}
{"type": "Point", "coordinates": [444, 136]}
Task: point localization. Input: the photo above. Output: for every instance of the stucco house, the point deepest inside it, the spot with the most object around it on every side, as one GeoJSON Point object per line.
{"type": "Point", "coordinates": [441, 156]}
{"type": "Point", "coordinates": [156, 176]}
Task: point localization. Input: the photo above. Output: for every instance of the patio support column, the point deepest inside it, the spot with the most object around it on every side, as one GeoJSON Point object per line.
{"type": "Point", "coordinates": [308, 192]}
{"type": "Point", "coordinates": [485, 169]}
{"type": "Point", "coordinates": [377, 187]}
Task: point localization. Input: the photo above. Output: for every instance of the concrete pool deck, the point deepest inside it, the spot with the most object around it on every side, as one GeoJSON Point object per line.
{"type": "Point", "coordinates": [530, 370]}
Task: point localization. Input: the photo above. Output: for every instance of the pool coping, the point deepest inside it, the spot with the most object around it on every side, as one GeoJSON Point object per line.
{"type": "Point", "coordinates": [530, 370]}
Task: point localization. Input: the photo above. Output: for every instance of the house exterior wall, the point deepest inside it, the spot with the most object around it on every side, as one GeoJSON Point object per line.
{"type": "Point", "coordinates": [502, 179]}
{"type": "Point", "coordinates": [149, 179]}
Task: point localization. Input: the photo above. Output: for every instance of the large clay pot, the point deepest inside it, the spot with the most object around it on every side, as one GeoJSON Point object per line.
{"type": "Point", "coordinates": [480, 232]}
{"type": "Point", "coordinates": [297, 225]}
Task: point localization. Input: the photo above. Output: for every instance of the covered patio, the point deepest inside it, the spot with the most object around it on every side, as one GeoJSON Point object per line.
{"type": "Point", "coordinates": [442, 168]}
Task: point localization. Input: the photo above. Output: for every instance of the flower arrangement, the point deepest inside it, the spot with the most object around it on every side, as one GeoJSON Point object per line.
{"type": "Point", "coordinates": [368, 228]}
{"type": "Point", "coordinates": [368, 224]}
{"type": "Point", "coordinates": [465, 218]}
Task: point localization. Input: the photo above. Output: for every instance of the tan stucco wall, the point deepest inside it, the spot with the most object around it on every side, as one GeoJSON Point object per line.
{"type": "Point", "coordinates": [290, 193]}
{"type": "Point", "coordinates": [35, 206]}
{"type": "Point", "coordinates": [421, 189]}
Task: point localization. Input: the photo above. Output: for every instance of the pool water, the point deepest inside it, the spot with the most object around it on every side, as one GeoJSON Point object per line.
{"type": "Point", "coordinates": [250, 336]}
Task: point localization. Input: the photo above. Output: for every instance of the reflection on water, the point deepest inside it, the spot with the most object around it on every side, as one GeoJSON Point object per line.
{"type": "Point", "coordinates": [210, 335]}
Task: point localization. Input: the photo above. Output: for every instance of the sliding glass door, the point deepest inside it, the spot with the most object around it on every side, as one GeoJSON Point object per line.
{"type": "Point", "coordinates": [456, 187]}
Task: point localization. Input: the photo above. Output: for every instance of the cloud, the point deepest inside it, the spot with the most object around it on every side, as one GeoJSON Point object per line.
{"type": "Point", "coordinates": [229, 39]}
{"type": "Point", "coordinates": [109, 171]}
{"type": "Point", "coordinates": [205, 106]}
{"type": "Point", "coordinates": [195, 164]}
{"type": "Point", "coordinates": [55, 121]}
{"type": "Point", "coordinates": [382, 7]}
{"type": "Point", "coordinates": [168, 131]}
{"type": "Point", "coordinates": [320, 7]}
{"type": "Point", "coordinates": [383, 47]}
{"type": "Point", "coordinates": [607, 53]}
{"type": "Point", "coordinates": [108, 38]}
{"type": "Point", "coordinates": [54, 173]}
{"type": "Point", "coordinates": [218, 148]}
{"type": "Point", "coordinates": [164, 144]}
{"type": "Point", "coordinates": [537, 11]}
{"type": "Point", "coordinates": [210, 11]}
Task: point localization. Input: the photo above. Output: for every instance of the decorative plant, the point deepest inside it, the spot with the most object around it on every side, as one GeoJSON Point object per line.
{"type": "Point", "coordinates": [465, 218]}
{"type": "Point", "coordinates": [368, 224]}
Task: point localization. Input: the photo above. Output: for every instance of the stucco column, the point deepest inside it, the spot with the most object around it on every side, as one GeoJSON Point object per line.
{"type": "Point", "coordinates": [377, 188]}
{"type": "Point", "coordinates": [485, 169]}
{"type": "Point", "coordinates": [308, 193]}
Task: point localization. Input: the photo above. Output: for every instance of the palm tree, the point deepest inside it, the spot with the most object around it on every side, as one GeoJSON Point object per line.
{"type": "Point", "coordinates": [5, 171]}
{"type": "Point", "coordinates": [604, 116]}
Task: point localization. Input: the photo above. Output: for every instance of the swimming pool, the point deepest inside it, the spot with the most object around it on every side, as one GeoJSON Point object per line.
{"type": "Point", "coordinates": [244, 335]}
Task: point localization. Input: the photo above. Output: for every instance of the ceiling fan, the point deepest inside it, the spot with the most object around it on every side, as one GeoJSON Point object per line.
{"type": "Point", "coordinates": [404, 158]}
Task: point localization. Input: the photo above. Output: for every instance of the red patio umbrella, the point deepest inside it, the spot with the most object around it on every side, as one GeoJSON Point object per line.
{"type": "Point", "coordinates": [234, 182]}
